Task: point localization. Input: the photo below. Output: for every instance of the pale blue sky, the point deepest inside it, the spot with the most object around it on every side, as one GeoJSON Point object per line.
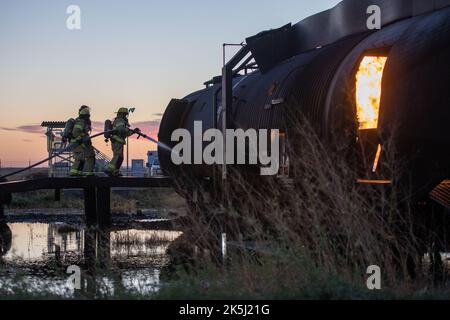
{"type": "Point", "coordinates": [135, 53]}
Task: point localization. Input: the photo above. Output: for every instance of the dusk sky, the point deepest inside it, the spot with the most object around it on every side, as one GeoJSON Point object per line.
{"type": "Point", "coordinates": [127, 53]}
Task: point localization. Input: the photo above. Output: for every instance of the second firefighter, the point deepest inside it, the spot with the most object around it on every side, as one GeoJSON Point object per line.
{"type": "Point", "coordinates": [118, 138]}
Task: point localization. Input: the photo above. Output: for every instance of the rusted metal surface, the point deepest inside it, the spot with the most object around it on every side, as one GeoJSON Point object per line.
{"type": "Point", "coordinates": [441, 194]}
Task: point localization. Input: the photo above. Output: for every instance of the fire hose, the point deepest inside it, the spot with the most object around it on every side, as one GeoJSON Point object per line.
{"type": "Point", "coordinates": [160, 144]}
{"type": "Point", "coordinates": [68, 148]}
{"type": "Point", "coordinates": [74, 145]}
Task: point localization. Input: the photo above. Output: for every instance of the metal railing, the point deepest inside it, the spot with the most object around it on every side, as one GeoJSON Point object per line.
{"type": "Point", "coordinates": [102, 160]}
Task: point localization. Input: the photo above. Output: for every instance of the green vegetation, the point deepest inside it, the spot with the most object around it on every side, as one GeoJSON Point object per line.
{"type": "Point", "coordinates": [269, 280]}
{"type": "Point", "coordinates": [274, 282]}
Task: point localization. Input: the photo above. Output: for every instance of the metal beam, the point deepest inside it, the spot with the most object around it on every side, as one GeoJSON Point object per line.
{"type": "Point", "coordinates": [244, 65]}
{"type": "Point", "coordinates": [81, 183]}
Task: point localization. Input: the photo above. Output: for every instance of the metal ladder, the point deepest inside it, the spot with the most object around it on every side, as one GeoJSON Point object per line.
{"type": "Point", "coordinates": [101, 160]}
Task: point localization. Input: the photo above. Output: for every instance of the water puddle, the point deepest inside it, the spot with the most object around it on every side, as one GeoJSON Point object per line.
{"type": "Point", "coordinates": [34, 257]}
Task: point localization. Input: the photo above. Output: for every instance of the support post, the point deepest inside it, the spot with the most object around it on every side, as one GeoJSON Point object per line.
{"type": "Point", "coordinates": [97, 206]}
{"type": "Point", "coordinates": [90, 249]}
{"type": "Point", "coordinates": [227, 97]}
{"type": "Point", "coordinates": [5, 199]}
{"type": "Point", "coordinates": [57, 195]}
{"type": "Point", "coordinates": [104, 207]}
{"type": "Point", "coordinates": [90, 206]}
{"type": "Point", "coordinates": [104, 249]}
{"type": "Point", "coordinates": [223, 245]}
{"type": "Point", "coordinates": [2, 209]}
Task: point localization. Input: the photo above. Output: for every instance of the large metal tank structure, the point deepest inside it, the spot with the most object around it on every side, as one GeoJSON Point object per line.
{"type": "Point", "coordinates": [379, 85]}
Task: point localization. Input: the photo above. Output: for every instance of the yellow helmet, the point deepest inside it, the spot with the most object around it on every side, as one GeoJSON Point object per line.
{"type": "Point", "coordinates": [85, 112]}
{"type": "Point", "coordinates": [123, 110]}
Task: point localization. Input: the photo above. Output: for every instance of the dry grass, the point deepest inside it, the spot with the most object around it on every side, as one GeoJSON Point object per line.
{"type": "Point", "coordinates": [162, 199]}
{"type": "Point", "coordinates": [319, 238]}
{"type": "Point", "coordinates": [134, 240]}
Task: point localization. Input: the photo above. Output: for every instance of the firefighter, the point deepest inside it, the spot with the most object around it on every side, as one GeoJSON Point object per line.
{"type": "Point", "coordinates": [83, 154]}
{"type": "Point", "coordinates": [121, 132]}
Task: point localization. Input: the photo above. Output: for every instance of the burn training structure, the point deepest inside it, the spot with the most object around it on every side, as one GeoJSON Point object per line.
{"type": "Point", "coordinates": [376, 85]}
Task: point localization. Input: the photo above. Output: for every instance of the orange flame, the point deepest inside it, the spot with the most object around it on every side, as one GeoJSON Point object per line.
{"type": "Point", "coordinates": [368, 91]}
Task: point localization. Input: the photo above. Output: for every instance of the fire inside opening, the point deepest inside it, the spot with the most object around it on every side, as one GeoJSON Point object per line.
{"type": "Point", "coordinates": [368, 90]}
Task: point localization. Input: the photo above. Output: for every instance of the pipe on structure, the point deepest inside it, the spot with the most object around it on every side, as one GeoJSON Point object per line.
{"type": "Point", "coordinates": [227, 97]}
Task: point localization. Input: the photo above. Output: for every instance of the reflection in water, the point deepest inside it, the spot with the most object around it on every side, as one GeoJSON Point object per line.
{"type": "Point", "coordinates": [110, 260]}
{"type": "Point", "coordinates": [35, 241]}
{"type": "Point", "coordinates": [5, 238]}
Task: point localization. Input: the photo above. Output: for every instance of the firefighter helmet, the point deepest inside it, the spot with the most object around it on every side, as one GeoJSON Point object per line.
{"type": "Point", "coordinates": [123, 110]}
{"type": "Point", "coordinates": [85, 112]}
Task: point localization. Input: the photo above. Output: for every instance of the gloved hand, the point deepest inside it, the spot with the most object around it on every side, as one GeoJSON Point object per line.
{"type": "Point", "coordinates": [137, 130]}
{"type": "Point", "coordinates": [85, 140]}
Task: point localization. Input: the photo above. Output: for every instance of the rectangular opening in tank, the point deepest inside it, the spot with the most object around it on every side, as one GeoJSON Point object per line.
{"type": "Point", "coordinates": [368, 90]}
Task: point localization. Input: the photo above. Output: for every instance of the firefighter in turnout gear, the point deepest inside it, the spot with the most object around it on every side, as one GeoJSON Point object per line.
{"type": "Point", "coordinates": [121, 132]}
{"type": "Point", "coordinates": [84, 153]}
